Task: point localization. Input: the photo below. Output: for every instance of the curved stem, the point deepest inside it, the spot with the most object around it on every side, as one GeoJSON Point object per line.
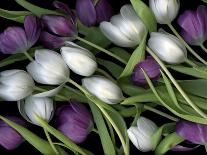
{"type": "Point", "coordinates": [185, 96]}
{"type": "Point", "coordinates": [101, 49]}
{"type": "Point", "coordinates": [146, 107]}
{"type": "Point", "coordinates": [103, 72]}
{"type": "Point", "coordinates": [28, 56]}
{"type": "Point", "coordinates": [203, 48]}
{"type": "Point", "coordinates": [186, 45]}
{"type": "Point", "coordinates": [63, 145]}
{"type": "Point", "coordinates": [95, 130]}
{"type": "Point", "coordinates": [191, 63]}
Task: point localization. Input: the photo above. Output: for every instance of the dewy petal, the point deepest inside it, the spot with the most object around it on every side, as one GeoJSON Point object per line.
{"type": "Point", "coordinates": [13, 40]}
{"type": "Point", "coordinates": [115, 35]}
{"type": "Point", "coordinates": [86, 12]}
{"type": "Point", "coordinates": [32, 28]}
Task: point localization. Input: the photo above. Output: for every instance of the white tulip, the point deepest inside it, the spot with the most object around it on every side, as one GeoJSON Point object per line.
{"type": "Point", "coordinates": [125, 29]}
{"type": "Point", "coordinates": [80, 60]}
{"type": "Point", "coordinates": [140, 135]}
{"type": "Point", "coordinates": [31, 106]}
{"type": "Point", "coordinates": [167, 47]}
{"type": "Point", "coordinates": [48, 68]}
{"type": "Point", "coordinates": [15, 85]}
{"type": "Point", "coordinates": [165, 11]}
{"type": "Point", "coordinates": [103, 89]}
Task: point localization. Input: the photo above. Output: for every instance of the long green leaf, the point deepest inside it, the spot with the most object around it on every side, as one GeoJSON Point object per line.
{"type": "Point", "coordinates": [120, 52]}
{"type": "Point", "coordinates": [146, 15]}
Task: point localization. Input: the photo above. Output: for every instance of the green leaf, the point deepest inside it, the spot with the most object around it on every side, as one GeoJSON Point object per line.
{"type": "Point", "coordinates": [168, 143]}
{"type": "Point", "coordinates": [135, 58]}
{"type": "Point", "coordinates": [41, 145]}
{"type": "Point", "coordinates": [120, 52]}
{"type": "Point", "coordinates": [106, 141]}
{"type": "Point", "coordinates": [17, 16]}
{"type": "Point", "coordinates": [60, 136]}
{"type": "Point", "coordinates": [205, 1]}
{"type": "Point", "coordinates": [146, 15]}
{"type": "Point", "coordinates": [157, 136]}
{"type": "Point", "coordinates": [38, 11]}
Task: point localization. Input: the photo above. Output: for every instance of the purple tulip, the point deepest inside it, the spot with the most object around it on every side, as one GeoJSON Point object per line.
{"type": "Point", "coordinates": [91, 14]}
{"type": "Point", "coordinates": [9, 138]}
{"type": "Point", "coordinates": [74, 121]}
{"type": "Point", "coordinates": [194, 25]}
{"type": "Point", "coordinates": [17, 40]}
{"type": "Point", "coordinates": [180, 148]}
{"type": "Point", "coordinates": [193, 132]}
{"type": "Point", "coordinates": [60, 28]}
{"type": "Point", "coordinates": [150, 66]}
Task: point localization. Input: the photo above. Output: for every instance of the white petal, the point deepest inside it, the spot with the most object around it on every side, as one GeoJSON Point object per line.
{"type": "Point", "coordinates": [9, 72]}
{"type": "Point", "coordinates": [115, 35]}
{"type": "Point", "coordinates": [132, 132]}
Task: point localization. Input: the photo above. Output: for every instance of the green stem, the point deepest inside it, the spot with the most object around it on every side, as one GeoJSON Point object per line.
{"type": "Point", "coordinates": [50, 141]}
{"type": "Point", "coordinates": [28, 56]}
{"type": "Point", "coordinates": [186, 45]}
{"type": "Point", "coordinates": [106, 74]}
{"type": "Point", "coordinates": [146, 107]}
{"type": "Point", "coordinates": [101, 49]}
{"type": "Point", "coordinates": [191, 63]}
{"type": "Point", "coordinates": [203, 48]}
{"type": "Point", "coordinates": [63, 145]}
{"type": "Point", "coordinates": [111, 132]}
{"type": "Point", "coordinates": [185, 96]}
{"type": "Point", "coordinates": [95, 130]}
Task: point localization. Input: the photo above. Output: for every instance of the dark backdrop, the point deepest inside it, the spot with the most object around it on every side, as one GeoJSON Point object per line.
{"type": "Point", "coordinates": [92, 143]}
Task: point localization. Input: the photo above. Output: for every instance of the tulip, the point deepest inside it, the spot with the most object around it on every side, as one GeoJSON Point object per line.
{"type": "Point", "coordinates": [194, 25]}
{"type": "Point", "coordinates": [140, 135]}
{"type": "Point", "coordinates": [48, 68]}
{"type": "Point", "coordinates": [181, 148]}
{"type": "Point", "coordinates": [80, 60]}
{"type": "Point", "coordinates": [18, 40]}
{"type": "Point", "coordinates": [60, 28]}
{"type": "Point", "coordinates": [91, 14]}
{"type": "Point", "coordinates": [125, 29]}
{"type": "Point", "coordinates": [41, 106]}
{"type": "Point", "coordinates": [104, 89]}
{"type": "Point", "coordinates": [150, 66]}
{"type": "Point", "coordinates": [15, 85]}
{"type": "Point", "coordinates": [165, 11]}
{"type": "Point", "coordinates": [167, 47]}
{"type": "Point", "coordinates": [193, 132]}
{"type": "Point", "coordinates": [10, 138]}
{"type": "Point", "coordinates": [74, 121]}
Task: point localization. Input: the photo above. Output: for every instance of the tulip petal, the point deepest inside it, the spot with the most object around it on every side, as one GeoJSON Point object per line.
{"type": "Point", "coordinates": [181, 148]}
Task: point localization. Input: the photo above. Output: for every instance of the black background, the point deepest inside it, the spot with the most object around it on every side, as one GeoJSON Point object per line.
{"type": "Point", "coordinates": [92, 143]}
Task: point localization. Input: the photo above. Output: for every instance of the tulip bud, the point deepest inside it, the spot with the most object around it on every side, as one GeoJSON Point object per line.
{"type": "Point", "coordinates": [17, 40]}
{"type": "Point", "coordinates": [41, 106]}
{"type": "Point", "coordinates": [48, 68]}
{"type": "Point", "coordinates": [150, 66]}
{"type": "Point", "coordinates": [125, 29]}
{"type": "Point", "coordinates": [140, 136]}
{"type": "Point", "coordinates": [15, 85]}
{"type": "Point", "coordinates": [80, 60]}
{"type": "Point", "coordinates": [104, 89]}
{"type": "Point", "coordinates": [193, 132]}
{"type": "Point", "coordinates": [165, 11]}
{"type": "Point", "coordinates": [167, 47]}
{"type": "Point", "coordinates": [10, 138]}
{"type": "Point", "coordinates": [194, 25]}
{"type": "Point", "coordinates": [91, 14]}
{"type": "Point", "coordinates": [74, 121]}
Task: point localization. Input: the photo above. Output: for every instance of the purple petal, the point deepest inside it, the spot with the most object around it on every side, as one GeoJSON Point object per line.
{"type": "Point", "coordinates": [86, 12]}
{"type": "Point", "coordinates": [104, 11]}
{"type": "Point", "coordinates": [13, 40]}
{"type": "Point", "coordinates": [180, 148]}
{"type": "Point", "coordinates": [193, 132]}
{"type": "Point", "coordinates": [51, 41]}
{"type": "Point", "coordinates": [59, 25]}
{"type": "Point", "coordinates": [32, 29]}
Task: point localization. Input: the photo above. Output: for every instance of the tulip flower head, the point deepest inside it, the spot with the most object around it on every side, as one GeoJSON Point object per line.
{"type": "Point", "coordinates": [167, 47]}
{"type": "Point", "coordinates": [10, 138]}
{"type": "Point", "coordinates": [74, 121]}
{"type": "Point", "coordinates": [91, 14]}
{"type": "Point", "coordinates": [140, 135]}
{"type": "Point", "coordinates": [15, 85]}
{"type": "Point", "coordinates": [194, 25]}
{"type": "Point", "coordinates": [41, 106]}
{"type": "Point", "coordinates": [80, 60]}
{"type": "Point", "coordinates": [165, 11]}
{"type": "Point", "coordinates": [104, 89]}
{"type": "Point", "coordinates": [18, 40]}
{"type": "Point", "coordinates": [125, 29]}
{"type": "Point", "coordinates": [150, 66]}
